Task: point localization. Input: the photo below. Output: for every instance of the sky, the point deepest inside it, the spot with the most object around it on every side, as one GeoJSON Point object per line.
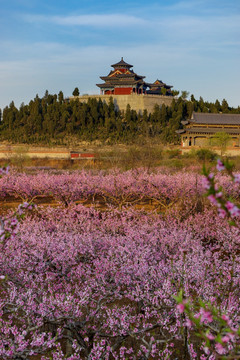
{"type": "Point", "coordinates": [57, 45]}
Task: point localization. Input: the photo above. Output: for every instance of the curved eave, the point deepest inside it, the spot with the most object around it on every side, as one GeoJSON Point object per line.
{"type": "Point", "coordinates": [180, 131]}
{"type": "Point", "coordinates": [110, 86]}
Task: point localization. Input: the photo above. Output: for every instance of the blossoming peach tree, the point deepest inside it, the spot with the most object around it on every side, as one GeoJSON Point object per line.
{"type": "Point", "coordinates": [80, 283]}
{"type": "Point", "coordinates": [220, 333]}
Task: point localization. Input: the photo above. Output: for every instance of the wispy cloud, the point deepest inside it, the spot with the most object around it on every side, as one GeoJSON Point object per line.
{"type": "Point", "coordinates": [169, 26]}
{"type": "Point", "coordinates": [94, 20]}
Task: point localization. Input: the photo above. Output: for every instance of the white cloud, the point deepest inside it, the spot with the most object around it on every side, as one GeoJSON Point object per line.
{"type": "Point", "coordinates": [94, 20]}
{"type": "Point", "coordinates": [181, 27]}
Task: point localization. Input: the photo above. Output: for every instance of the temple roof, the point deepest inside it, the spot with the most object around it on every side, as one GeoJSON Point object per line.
{"type": "Point", "coordinates": [159, 83]}
{"type": "Point", "coordinates": [220, 119]}
{"type": "Point", "coordinates": [122, 63]}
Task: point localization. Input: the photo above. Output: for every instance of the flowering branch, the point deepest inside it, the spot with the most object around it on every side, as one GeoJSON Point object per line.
{"type": "Point", "coordinates": [226, 208]}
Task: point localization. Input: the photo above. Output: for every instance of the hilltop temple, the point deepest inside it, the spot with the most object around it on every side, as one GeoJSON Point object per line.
{"type": "Point", "coordinates": [124, 81]}
{"type": "Point", "coordinates": [125, 87]}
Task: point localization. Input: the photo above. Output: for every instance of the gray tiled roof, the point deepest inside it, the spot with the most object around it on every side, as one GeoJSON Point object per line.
{"type": "Point", "coordinates": [220, 119]}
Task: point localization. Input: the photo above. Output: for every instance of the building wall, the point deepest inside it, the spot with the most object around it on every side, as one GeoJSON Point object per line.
{"type": "Point", "coordinates": [229, 151]}
{"type": "Point", "coordinates": [200, 141]}
{"type": "Point", "coordinates": [123, 91]}
{"type": "Point", "coordinates": [138, 102]}
{"type": "Point", "coordinates": [192, 140]}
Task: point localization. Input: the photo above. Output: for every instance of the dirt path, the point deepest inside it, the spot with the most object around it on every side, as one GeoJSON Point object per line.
{"type": "Point", "coordinates": [11, 203]}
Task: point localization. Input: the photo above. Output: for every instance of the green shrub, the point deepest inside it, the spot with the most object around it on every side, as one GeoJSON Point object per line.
{"type": "Point", "coordinates": [173, 154]}
{"type": "Point", "coordinates": [205, 155]}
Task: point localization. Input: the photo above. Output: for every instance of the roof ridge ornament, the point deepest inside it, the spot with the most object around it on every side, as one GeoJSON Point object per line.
{"type": "Point", "coordinates": [122, 63]}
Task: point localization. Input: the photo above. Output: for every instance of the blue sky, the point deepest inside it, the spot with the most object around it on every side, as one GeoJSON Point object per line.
{"type": "Point", "coordinates": [52, 45]}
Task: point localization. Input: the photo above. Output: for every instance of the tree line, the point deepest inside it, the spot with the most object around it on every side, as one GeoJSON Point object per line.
{"type": "Point", "coordinates": [53, 119]}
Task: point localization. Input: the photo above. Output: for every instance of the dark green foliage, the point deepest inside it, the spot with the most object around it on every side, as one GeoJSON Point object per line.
{"type": "Point", "coordinates": [53, 120]}
{"type": "Point", "coordinates": [184, 94]}
{"type": "Point", "coordinates": [206, 154]}
{"type": "Point", "coordinates": [76, 92]}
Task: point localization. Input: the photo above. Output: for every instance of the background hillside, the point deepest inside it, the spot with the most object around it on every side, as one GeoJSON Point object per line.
{"type": "Point", "coordinates": [54, 120]}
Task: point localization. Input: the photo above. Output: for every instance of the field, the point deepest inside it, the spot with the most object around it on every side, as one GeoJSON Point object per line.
{"type": "Point", "coordinates": [106, 263]}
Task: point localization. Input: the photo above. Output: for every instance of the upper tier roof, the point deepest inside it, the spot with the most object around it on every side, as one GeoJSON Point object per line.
{"type": "Point", "coordinates": [122, 63]}
{"type": "Point", "coordinates": [121, 77]}
{"type": "Point", "coordinates": [206, 118]}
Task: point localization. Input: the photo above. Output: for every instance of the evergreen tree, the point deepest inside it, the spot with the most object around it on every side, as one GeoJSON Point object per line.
{"type": "Point", "coordinates": [76, 92]}
{"type": "Point", "coordinates": [128, 114]}
{"type": "Point", "coordinates": [156, 115]}
{"type": "Point", "coordinates": [184, 94]}
{"type": "Point", "coordinates": [201, 104]}
{"type": "Point", "coordinates": [217, 105]}
{"type": "Point", "coordinates": [225, 108]}
{"type": "Point", "coordinates": [60, 97]}
{"type": "Point", "coordinates": [111, 107]}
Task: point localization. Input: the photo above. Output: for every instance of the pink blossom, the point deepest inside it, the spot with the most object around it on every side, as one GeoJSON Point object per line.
{"type": "Point", "coordinates": [206, 316]}
{"type": "Point", "coordinates": [220, 166]}
{"type": "Point", "coordinates": [189, 323]}
{"type": "Point", "coordinates": [225, 339]}
{"type": "Point", "coordinates": [233, 209]}
{"type": "Point", "coordinates": [222, 213]}
{"type": "Point", "coordinates": [229, 205]}
{"type": "Point", "coordinates": [210, 336]}
{"type": "Point", "coordinates": [219, 194]}
{"type": "Point", "coordinates": [225, 317]}
{"type": "Point", "coordinates": [180, 308]}
{"type": "Point", "coordinates": [220, 349]}
{"type": "Point", "coordinates": [212, 198]}
{"type": "Point", "coordinates": [237, 178]}
{"type": "Point", "coordinates": [206, 183]}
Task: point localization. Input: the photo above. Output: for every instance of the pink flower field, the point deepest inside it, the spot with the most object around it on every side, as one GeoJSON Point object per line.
{"type": "Point", "coordinates": [94, 283]}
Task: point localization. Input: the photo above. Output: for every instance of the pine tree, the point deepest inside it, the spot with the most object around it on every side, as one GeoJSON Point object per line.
{"type": "Point", "coordinates": [225, 108]}
{"type": "Point", "coordinates": [76, 92]}
{"type": "Point", "coordinates": [60, 97]}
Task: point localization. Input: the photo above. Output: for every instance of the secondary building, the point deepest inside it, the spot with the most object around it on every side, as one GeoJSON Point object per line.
{"type": "Point", "coordinates": [201, 128]}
